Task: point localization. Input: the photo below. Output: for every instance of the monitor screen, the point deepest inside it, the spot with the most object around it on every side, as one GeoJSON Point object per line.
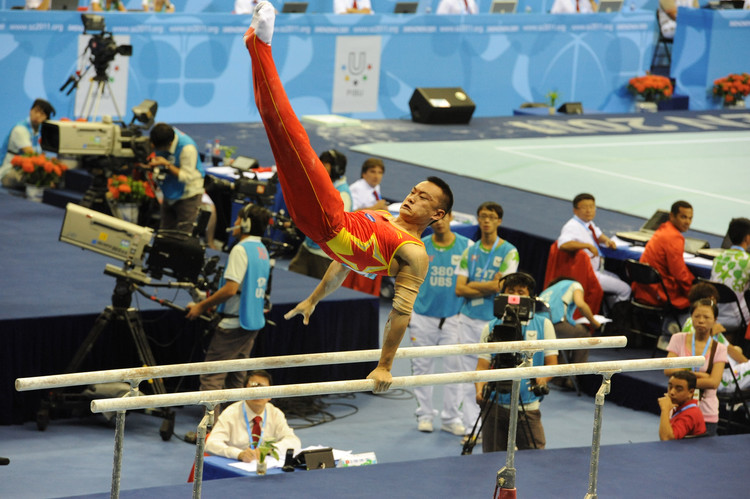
{"type": "Point", "coordinates": [610, 6]}
{"type": "Point", "coordinates": [63, 5]}
{"type": "Point", "coordinates": [405, 8]}
{"type": "Point", "coordinates": [503, 6]}
{"type": "Point", "coordinates": [294, 8]}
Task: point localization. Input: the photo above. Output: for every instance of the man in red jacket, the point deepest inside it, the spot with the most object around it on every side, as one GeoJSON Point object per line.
{"type": "Point", "coordinates": [664, 253]}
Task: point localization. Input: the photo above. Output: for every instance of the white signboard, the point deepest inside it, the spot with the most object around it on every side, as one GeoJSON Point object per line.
{"type": "Point", "coordinates": [356, 75]}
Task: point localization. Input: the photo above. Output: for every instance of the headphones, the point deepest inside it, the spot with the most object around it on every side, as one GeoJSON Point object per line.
{"type": "Point", "coordinates": [522, 279]}
{"type": "Point", "coordinates": [338, 162]}
{"type": "Point", "coordinates": [246, 222]}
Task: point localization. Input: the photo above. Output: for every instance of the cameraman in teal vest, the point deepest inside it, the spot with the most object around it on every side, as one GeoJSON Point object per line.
{"type": "Point", "coordinates": [530, 432]}
{"type": "Point", "coordinates": [240, 298]}
{"type": "Point", "coordinates": [179, 175]}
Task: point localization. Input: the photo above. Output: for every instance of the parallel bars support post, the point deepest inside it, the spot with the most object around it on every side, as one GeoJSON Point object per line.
{"type": "Point", "coordinates": [200, 447]}
{"type": "Point", "coordinates": [597, 437]}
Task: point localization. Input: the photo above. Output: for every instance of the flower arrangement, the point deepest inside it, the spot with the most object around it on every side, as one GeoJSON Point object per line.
{"type": "Point", "coordinates": [126, 189]}
{"type": "Point", "coordinates": [732, 88]}
{"type": "Point", "coordinates": [651, 87]}
{"type": "Point", "coordinates": [38, 170]}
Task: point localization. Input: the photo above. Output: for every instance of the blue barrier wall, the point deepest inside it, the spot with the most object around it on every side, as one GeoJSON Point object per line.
{"type": "Point", "coordinates": [709, 45]}
{"type": "Point", "coordinates": [197, 69]}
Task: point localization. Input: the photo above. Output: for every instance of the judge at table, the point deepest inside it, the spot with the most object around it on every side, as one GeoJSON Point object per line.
{"type": "Point", "coordinates": [245, 424]}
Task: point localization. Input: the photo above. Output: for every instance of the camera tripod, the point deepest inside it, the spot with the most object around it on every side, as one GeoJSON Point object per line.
{"type": "Point", "coordinates": [119, 310]}
{"type": "Point", "coordinates": [91, 106]}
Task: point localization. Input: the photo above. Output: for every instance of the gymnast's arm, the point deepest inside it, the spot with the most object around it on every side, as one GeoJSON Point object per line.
{"type": "Point", "coordinates": [412, 268]}
{"type": "Point", "coordinates": [331, 281]}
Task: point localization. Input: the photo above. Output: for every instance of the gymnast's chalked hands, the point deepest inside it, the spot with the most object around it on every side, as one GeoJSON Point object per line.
{"type": "Point", "coordinates": [383, 379]}
{"type": "Point", "coordinates": [305, 308]}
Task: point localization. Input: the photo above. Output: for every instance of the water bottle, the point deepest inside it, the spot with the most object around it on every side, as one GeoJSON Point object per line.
{"type": "Point", "coordinates": [217, 150]}
{"type": "Point", "coordinates": [207, 151]}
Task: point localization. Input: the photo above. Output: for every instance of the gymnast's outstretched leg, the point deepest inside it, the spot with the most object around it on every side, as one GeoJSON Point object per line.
{"type": "Point", "coordinates": [314, 204]}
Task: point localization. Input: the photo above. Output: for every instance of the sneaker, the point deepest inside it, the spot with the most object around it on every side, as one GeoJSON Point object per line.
{"type": "Point", "coordinates": [455, 428]}
{"type": "Point", "coordinates": [191, 437]}
{"type": "Point", "coordinates": [663, 342]}
{"type": "Point", "coordinates": [424, 425]}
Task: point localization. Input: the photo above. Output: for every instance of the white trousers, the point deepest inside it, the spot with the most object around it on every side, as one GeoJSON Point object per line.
{"type": "Point", "coordinates": [428, 331]}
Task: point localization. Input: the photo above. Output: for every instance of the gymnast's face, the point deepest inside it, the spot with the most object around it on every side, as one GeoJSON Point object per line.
{"type": "Point", "coordinates": [423, 203]}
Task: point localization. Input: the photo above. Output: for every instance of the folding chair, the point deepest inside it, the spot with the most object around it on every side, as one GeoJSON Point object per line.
{"type": "Point", "coordinates": [643, 273]}
{"type": "Point", "coordinates": [728, 402]}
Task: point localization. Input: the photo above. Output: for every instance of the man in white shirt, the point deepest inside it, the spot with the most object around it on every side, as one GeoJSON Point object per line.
{"type": "Point", "coordinates": [366, 191]}
{"type": "Point", "coordinates": [573, 7]}
{"type": "Point", "coordinates": [457, 7]}
{"type": "Point", "coordinates": [580, 233]}
{"type": "Point", "coordinates": [238, 433]}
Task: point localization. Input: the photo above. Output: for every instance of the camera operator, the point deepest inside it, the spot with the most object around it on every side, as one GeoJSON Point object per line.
{"type": "Point", "coordinates": [23, 138]}
{"type": "Point", "coordinates": [530, 432]}
{"type": "Point", "coordinates": [241, 298]}
{"type": "Point", "coordinates": [179, 175]}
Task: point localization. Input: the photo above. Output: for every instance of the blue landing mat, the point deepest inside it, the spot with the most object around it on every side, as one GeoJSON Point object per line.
{"type": "Point", "coordinates": [625, 471]}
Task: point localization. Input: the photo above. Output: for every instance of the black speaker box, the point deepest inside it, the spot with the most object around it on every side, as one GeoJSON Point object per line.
{"type": "Point", "coordinates": [571, 108]}
{"type": "Point", "coordinates": [444, 105]}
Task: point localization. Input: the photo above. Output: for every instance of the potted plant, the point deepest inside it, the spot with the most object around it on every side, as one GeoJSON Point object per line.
{"type": "Point", "coordinates": [128, 194]}
{"type": "Point", "coordinates": [650, 89]}
{"type": "Point", "coordinates": [732, 89]}
{"type": "Point", "coordinates": [266, 447]}
{"type": "Point", "coordinates": [38, 173]}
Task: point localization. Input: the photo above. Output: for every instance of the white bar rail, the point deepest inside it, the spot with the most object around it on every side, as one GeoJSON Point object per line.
{"type": "Point", "coordinates": [138, 374]}
{"type": "Point", "coordinates": [349, 386]}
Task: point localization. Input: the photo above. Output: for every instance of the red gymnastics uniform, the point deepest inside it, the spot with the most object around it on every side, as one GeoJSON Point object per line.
{"type": "Point", "coordinates": [364, 241]}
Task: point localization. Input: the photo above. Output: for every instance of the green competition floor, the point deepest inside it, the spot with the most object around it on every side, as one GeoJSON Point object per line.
{"type": "Point", "coordinates": [633, 174]}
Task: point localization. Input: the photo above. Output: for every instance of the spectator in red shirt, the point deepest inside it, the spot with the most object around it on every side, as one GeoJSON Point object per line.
{"type": "Point", "coordinates": [680, 415]}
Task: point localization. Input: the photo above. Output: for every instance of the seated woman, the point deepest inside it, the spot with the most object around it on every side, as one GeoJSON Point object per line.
{"type": "Point", "coordinates": [737, 358]}
{"type": "Point", "coordinates": [703, 313]}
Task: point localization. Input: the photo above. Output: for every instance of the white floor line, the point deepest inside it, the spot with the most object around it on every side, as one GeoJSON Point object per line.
{"type": "Point", "coordinates": [629, 177]}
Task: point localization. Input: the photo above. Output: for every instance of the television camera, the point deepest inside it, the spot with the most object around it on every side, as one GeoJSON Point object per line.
{"type": "Point", "coordinates": [251, 186]}
{"type": "Point", "coordinates": [514, 310]}
{"type": "Point", "coordinates": [102, 49]}
{"type": "Point", "coordinates": [171, 253]}
{"type": "Point", "coordinates": [104, 147]}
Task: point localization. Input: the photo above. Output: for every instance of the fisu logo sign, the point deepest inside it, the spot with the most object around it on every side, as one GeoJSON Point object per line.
{"type": "Point", "coordinates": [356, 74]}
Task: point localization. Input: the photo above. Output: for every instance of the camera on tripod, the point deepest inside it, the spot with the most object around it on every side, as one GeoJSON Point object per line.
{"type": "Point", "coordinates": [513, 310]}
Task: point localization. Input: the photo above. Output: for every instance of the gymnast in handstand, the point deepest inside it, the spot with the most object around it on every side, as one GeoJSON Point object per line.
{"type": "Point", "coordinates": [365, 241]}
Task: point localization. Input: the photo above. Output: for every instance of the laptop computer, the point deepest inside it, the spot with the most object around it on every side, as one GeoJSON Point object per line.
{"type": "Point", "coordinates": [641, 236]}
{"type": "Point", "coordinates": [405, 7]}
{"type": "Point", "coordinates": [610, 6]}
{"type": "Point", "coordinates": [63, 5]}
{"type": "Point", "coordinates": [503, 6]}
{"type": "Point", "coordinates": [294, 8]}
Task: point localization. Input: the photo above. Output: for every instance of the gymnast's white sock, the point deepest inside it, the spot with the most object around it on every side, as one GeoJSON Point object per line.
{"type": "Point", "coordinates": [264, 17]}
